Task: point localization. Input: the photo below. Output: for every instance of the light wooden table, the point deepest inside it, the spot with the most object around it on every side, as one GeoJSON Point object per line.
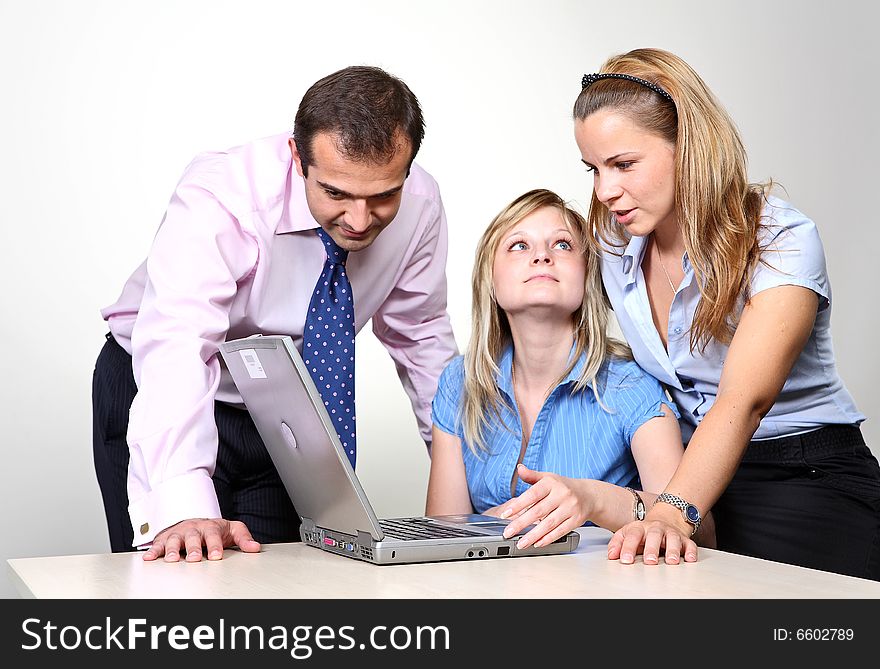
{"type": "Point", "coordinates": [298, 571]}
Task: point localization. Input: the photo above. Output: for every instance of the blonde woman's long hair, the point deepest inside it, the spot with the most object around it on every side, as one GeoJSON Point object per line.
{"type": "Point", "coordinates": [719, 211]}
{"type": "Point", "coordinates": [490, 329]}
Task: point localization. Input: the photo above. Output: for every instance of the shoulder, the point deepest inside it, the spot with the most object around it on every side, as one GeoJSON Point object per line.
{"type": "Point", "coordinates": [421, 199]}
{"type": "Point", "coordinates": [421, 184]}
{"type": "Point", "coordinates": [421, 218]}
{"type": "Point", "coordinates": [451, 380]}
{"type": "Point", "coordinates": [633, 394]}
{"type": "Point", "coordinates": [252, 175]}
{"type": "Point", "coordinates": [791, 252]}
{"type": "Point", "coordinates": [785, 227]}
{"type": "Point", "coordinates": [621, 374]}
{"type": "Point", "coordinates": [450, 386]}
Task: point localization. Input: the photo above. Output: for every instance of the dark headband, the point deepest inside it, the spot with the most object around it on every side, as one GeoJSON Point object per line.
{"type": "Point", "coordinates": [590, 79]}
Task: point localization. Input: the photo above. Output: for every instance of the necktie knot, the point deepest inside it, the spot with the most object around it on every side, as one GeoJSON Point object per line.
{"type": "Point", "coordinates": [336, 255]}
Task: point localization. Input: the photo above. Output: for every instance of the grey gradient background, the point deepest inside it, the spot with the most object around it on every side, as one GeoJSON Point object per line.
{"type": "Point", "coordinates": [105, 102]}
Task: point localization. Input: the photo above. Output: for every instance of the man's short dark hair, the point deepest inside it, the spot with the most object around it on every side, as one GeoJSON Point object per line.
{"type": "Point", "coordinates": [366, 108]}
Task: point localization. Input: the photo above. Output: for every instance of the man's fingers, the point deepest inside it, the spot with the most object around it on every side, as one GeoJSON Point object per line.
{"type": "Point", "coordinates": [155, 551]}
{"type": "Point", "coordinates": [241, 537]}
{"type": "Point", "coordinates": [173, 544]}
{"type": "Point", "coordinates": [214, 541]}
{"type": "Point", "coordinates": [193, 544]}
{"type": "Point", "coordinates": [201, 537]}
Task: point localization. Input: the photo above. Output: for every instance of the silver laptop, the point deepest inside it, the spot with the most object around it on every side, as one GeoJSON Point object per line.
{"type": "Point", "coordinates": [336, 515]}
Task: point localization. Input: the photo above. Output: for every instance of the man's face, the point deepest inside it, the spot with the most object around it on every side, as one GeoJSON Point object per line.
{"type": "Point", "coordinates": [352, 201]}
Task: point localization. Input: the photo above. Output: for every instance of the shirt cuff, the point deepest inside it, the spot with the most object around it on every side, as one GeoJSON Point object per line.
{"type": "Point", "coordinates": [180, 498]}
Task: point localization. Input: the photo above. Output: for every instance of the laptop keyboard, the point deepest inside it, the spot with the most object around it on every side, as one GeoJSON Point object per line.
{"type": "Point", "coordinates": [414, 529]}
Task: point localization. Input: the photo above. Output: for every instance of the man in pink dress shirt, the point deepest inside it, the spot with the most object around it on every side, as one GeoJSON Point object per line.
{"type": "Point", "coordinates": [181, 467]}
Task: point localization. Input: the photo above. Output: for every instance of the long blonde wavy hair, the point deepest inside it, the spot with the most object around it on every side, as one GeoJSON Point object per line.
{"type": "Point", "coordinates": [719, 211]}
{"type": "Point", "coordinates": [490, 329]}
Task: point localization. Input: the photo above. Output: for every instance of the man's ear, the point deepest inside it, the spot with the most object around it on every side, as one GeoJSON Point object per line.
{"type": "Point", "coordinates": [294, 152]}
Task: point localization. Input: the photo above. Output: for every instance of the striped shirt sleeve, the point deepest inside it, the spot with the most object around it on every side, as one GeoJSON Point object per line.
{"type": "Point", "coordinates": [635, 397]}
{"type": "Point", "coordinates": [446, 406]}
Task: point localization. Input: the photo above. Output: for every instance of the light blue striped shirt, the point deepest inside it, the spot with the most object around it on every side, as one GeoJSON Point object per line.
{"type": "Point", "coordinates": [573, 436]}
{"type": "Point", "coordinates": [813, 394]}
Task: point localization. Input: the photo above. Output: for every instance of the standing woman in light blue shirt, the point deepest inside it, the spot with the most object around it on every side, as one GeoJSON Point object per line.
{"type": "Point", "coordinates": [722, 293]}
{"type": "Point", "coordinates": [545, 419]}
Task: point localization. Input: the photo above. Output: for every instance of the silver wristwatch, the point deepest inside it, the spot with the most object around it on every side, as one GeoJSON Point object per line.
{"type": "Point", "coordinates": [638, 505]}
{"type": "Point", "coordinates": [689, 511]}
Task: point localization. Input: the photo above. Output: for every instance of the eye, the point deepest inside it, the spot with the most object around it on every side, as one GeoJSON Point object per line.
{"type": "Point", "coordinates": [517, 246]}
{"type": "Point", "coordinates": [589, 168]}
{"type": "Point", "coordinates": [333, 194]}
{"type": "Point", "coordinates": [626, 164]}
{"type": "Point", "coordinates": [563, 244]}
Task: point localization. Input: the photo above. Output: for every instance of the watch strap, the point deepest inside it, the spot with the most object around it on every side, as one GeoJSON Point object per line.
{"type": "Point", "coordinates": [638, 505]}
{"type": "Point", "coordinates": [690, 512]}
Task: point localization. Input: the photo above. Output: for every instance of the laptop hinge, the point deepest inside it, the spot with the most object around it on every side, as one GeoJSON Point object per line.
{"type": "Point", "coordinates": [366, 539]}
{"type": "Point", "coordinates": [308, 524]}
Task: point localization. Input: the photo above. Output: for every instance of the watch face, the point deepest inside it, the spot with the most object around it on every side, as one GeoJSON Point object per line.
{"type": "Point", "coordinates": [692, 514]}
{"type": "Point", "coordinates": [640, 511]}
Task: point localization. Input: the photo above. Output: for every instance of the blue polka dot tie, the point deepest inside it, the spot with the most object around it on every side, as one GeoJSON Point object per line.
{"type": "Point", "coordinates": [328, 343]}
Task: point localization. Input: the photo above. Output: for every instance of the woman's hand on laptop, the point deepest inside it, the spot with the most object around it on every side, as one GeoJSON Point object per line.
{"type": "Point", "coordinates": [194, 535]}
{"type": "Point", "coordinates": [554, 504]}
{"type": "Point", "coordinates": [496, 511]}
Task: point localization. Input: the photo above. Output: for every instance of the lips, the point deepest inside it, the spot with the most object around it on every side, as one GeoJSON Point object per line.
{"type": "Point", "coordinates": [624, 216]}
{"type": "Point", "coordinates": [541, 277]}
{"type": "Point", "coordinates": [353, 235]}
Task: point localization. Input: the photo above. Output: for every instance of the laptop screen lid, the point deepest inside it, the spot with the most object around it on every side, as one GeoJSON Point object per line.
{"type": "Point", "coordinates": [290, 416]}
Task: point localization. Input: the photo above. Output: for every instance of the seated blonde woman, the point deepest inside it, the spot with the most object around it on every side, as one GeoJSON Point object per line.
{"type": "Point", "coordinates": [546, 420]}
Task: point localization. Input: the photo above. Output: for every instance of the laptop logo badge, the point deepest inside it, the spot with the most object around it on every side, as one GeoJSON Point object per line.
{"type": "Point", "coordinates": [287, 433]}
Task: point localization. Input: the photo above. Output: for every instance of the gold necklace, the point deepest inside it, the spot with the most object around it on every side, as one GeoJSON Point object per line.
{"type": "Point", "coordinates": [663, 267]}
